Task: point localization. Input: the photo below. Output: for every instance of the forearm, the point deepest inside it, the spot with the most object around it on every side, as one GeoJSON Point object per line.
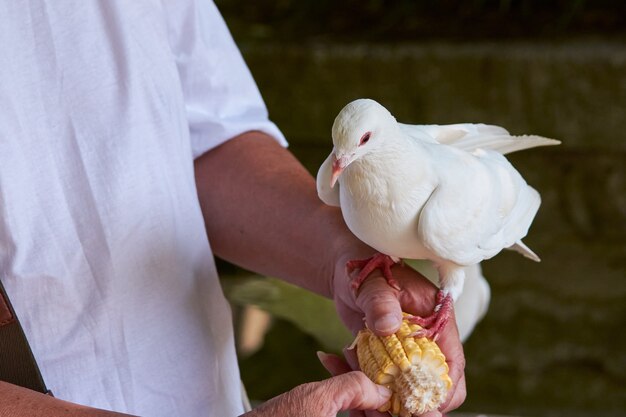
{"type": "Point", "coordinates": [262, 212]}
{"type": "Point", "coordinates": [21, 402]}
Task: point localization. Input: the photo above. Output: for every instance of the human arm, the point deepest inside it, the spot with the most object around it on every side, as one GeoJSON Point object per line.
{"type": "Point", "coordinates": [262, 212]}
{"type": "Point", "coordinates": [17, 401]}
{"type": "Point", "coordinates": [316, 399]}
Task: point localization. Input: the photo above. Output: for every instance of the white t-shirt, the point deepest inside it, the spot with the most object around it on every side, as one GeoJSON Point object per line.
{"type": "Point", "coordinates": [103, 105]}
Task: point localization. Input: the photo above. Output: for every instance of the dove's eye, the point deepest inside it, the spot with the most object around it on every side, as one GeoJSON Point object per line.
{"type": "Point", "coordinates": [365, 138]}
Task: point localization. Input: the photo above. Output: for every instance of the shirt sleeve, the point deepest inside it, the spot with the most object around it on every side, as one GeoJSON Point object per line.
{"type": "Point", "coordinates": [221, 97]}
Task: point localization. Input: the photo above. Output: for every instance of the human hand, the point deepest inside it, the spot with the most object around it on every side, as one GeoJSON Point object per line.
{"type": "Point", "coordinates": [381, 307]}
{"type": "Point", "coordinates": [338, 366]}
{"type": "Point", "coordinates": [347, 390]}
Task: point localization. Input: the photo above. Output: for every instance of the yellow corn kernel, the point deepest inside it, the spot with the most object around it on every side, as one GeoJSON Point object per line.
{"type": "Point", "coordinates": [369, 364]}
{"type": "Point", "coordinates": [396, 406]}
{"type": "Point", "coordinates": [379, 351]}
{"type": "Point", "coordinates": [414, 369]}
{"type": "Point", "coordinates": [396, 352]}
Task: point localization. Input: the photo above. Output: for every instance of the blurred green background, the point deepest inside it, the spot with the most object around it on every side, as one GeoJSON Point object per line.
{"type": "Point", "coordinates": [554, 340]}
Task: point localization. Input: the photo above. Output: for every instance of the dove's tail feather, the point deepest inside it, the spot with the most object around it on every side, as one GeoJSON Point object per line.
{"type": "Point", "coordinates": [520, 247]}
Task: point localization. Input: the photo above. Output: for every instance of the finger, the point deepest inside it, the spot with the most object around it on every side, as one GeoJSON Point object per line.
{"type": "Point", "coordinates": [458, 397]}
{"type": "Point", "coordinates": [352, 361]}
{"type": "Point", "coordinates": [333, 363]}
{"type": "Point", "coordinates": [352, 318]}
{"type": "Point", "coordinates": [348, 391]}
{"type": "Point", "coordinates": [431, 414]}
{"type": "Point", "coordinates": [354, 390]}
{"type": "Point", "coordinates": [453, 350]}
{"type": "Point", "coordinates": [418, 294]}
{"type": "Point", "coordinates": [351, 358]}
{"type": "Point", "coordinates": [375, 413]}
{"type": "Point", "coordinates": [380, 304]}
{"type": "Point", "coordinates": [336, 366]}
{"type": "Point", "coordinates": [450, 345]}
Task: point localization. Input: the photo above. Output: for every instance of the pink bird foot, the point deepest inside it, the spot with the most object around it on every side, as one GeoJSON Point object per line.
{"type": "Point", "coordinates": [366, 266]}
{"type": "Point", "coordinates": [433, 324]}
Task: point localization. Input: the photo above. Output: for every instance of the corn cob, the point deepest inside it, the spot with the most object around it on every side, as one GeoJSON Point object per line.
{"type": "Point", "coordinates": [414, 369]}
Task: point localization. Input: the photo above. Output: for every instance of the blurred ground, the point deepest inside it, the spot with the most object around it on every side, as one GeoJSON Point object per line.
{"type": "Point", "coordinates": [553, 342]}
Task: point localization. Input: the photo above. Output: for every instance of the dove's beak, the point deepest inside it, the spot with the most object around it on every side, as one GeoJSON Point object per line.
{"type": "Point", "coordinates": [338, 166]}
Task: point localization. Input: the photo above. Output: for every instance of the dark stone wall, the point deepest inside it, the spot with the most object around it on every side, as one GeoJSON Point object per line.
{"type": "Point", "coordinates": [554, 340]}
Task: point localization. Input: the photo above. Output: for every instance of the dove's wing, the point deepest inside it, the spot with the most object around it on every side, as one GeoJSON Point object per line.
{"type": "Point", "coordinates": [494, 209]}
{"type": "Point", "coordinates": [472, 136]}
{"type": "Point", "coordinates": [328, 195]}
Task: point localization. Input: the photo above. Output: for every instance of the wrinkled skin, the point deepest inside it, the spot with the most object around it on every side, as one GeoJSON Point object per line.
{"type": "Point", "coordinates": [268, 218]}
{"type": "Point", "coordinates": [381, 306]}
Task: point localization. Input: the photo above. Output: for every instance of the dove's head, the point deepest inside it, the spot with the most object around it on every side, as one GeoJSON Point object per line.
{"type": "Point", "coordinates": [359, 128]}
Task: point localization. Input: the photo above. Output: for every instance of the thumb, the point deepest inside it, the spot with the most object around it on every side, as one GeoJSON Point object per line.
{"type": "Point", "coordinates": [354, 390]}
{"type": "Point", "coordinates": [337, 366]}
{"type": "Point", "coordinates": [380, 304]}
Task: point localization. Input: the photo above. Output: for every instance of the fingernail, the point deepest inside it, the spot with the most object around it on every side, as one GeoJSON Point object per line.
{"type": "Point", "coordinates": [386, 323]}
{"type": "Point", "coordinates": [321, 355]}
{"type": "Point", "coordinates": [384, 391]}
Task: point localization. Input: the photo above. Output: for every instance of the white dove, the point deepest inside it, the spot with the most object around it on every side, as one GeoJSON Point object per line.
{"type": "Point", "coordinates": [442, 193]}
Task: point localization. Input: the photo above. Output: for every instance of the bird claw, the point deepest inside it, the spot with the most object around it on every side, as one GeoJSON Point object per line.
{"type": "Point", "coordinates": [433, 325]}
{"type": "Point", "coordinates": [367, 266]}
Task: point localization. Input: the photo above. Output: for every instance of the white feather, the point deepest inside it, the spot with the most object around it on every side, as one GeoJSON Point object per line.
{"type": "Point", "coordinates": [329, 196]}
{"type": "Point", "coordinates": [468, 136]}
{"type": "Point", "coordinates": [443, 193]}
